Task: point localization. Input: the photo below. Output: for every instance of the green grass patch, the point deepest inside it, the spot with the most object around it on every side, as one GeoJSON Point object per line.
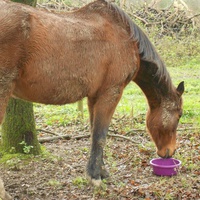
{"type": "Point", "coordinates": [16, 161]}
{"type": "Point", "coordinates": [190, 74]}
{"type": "Point", "coordinates": [80, 181]}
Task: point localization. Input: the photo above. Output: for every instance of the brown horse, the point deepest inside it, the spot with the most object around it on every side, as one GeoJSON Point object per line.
{"type": "Point", "coordinates": [93, 52]}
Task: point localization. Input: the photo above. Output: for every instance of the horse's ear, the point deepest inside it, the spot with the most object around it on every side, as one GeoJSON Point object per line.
{"type": "Point", "coordinates": [180, 89]}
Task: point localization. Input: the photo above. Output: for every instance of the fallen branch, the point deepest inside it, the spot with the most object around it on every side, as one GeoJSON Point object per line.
{"type": "Point", "coordinates": [66, 137]}
{"type": "Point", "coordinates": [46, 131]}
{"type": "Point", "coordinates": [196, 15]}
{"type": "Point", "coordinates": [69, 137]}
{"type": "Point", "coordinates": [123, 137]}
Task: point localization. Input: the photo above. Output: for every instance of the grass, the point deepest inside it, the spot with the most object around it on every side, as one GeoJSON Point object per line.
{"type": "Point", "coordinates": [190, 74]}
{"type": "Point", "coordinates": [59, 115]}
{"type": "Point", "coordinates": [79, 181]}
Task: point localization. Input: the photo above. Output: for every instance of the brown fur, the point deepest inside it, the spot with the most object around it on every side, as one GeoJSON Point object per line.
{"type": "Point", "coordinates": [93, 52]}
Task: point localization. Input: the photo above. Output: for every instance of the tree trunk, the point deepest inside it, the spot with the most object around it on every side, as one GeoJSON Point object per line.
{"type": "Point", "coordinates": [18, 129]}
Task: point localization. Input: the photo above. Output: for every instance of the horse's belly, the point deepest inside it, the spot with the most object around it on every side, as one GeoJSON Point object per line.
{"type": "Point", "coordinates": [49, 92]}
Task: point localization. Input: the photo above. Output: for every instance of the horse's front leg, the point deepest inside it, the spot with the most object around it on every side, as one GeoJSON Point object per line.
{"type": "Point", "coordinates": [101, 110]}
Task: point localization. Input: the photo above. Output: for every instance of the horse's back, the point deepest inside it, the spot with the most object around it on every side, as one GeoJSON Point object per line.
{"type": "Point", "coordinates": [67, 57]}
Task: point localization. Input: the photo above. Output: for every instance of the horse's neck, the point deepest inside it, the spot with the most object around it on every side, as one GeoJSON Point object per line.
{"type": "Point", "coordinates": [154, 88]}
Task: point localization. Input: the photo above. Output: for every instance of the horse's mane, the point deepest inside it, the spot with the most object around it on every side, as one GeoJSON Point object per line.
{"type": "Point", "coordinates": [146, 49]}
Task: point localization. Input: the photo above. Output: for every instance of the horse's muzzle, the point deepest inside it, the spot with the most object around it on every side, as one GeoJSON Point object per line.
{"type": "Point", "coordinates": [167, 154]}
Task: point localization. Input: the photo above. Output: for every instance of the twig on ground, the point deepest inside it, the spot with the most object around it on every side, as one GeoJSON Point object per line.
{"type": "Point", "coordinates": [123, 137]}
{"type": "Point", "coordinates": [46, 131]}
{"type": "Point", "coordinates": [68, 137]}
{"type": "Point", "coordinates": [127, 133]}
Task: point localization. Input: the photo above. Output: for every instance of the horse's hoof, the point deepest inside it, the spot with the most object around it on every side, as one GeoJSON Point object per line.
{"type": "Point", "coordinates": [96, 176]}
{"type": "Point", "coordinates": [96, 182]}
{"type": "Point", "coordinates": [93, 181]}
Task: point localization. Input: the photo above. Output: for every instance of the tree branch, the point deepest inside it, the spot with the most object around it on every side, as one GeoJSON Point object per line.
{"type": "Point", "coordinates": [69, 137]}
{"type": "Point", "coordinates": [66, 137]}
{"type": "Point", "coordinates": [46, 131]}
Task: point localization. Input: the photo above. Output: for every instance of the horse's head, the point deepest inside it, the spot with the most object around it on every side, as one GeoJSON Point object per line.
{"type": "Point", "coordinates": [162, 122]}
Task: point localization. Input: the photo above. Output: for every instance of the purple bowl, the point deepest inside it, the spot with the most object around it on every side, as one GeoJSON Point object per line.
{"type": "Point", "coordinates": [165, 167]}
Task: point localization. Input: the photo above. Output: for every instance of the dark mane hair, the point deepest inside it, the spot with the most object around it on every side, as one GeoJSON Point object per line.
{"type": "Point", "coordinates": [146, 49]}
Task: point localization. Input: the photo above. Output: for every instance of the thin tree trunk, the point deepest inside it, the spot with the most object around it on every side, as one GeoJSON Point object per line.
{"type": "Point", "coordinates": [80, 108]}
{"type": "Point", "coordinates": [18, 130]}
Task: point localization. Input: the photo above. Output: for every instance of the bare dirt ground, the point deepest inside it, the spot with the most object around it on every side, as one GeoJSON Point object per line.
{"type": "Point", "coordinates": [59, 174]}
